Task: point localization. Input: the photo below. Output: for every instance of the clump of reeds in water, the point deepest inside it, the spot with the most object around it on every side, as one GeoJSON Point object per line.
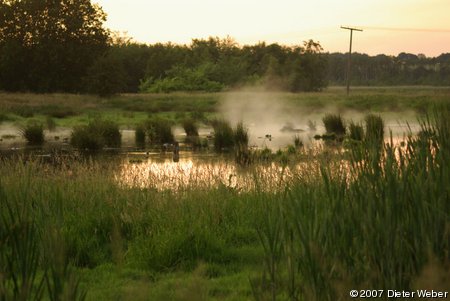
{"type": "Point", "coordinates": [190, 127]}
{"type": "Point", "coordinates": [33, 132]}
{"type": "Point", "coordinates": [241, 135]}
{"type": "Point", "coordinates": [139, 136]}
{"type": "Point", "coordinates": [223, 135]}
{"type": "Point", "coordinates": [96, 134]}
{"type": "Point", "coordinates": [243, 155]}
{"type": "Point", "coordinates": [159, 131]}
{"type": "Point", "coordinates": [334, 124]}
{"type": "Point", "coordinates": [356, 131]}
{"type": "Point", "coordinates": [50, 122]}
{"type": "Point", "coordinates": [374, 129]}
{"type": "Point", "coordinates": [298, 143]}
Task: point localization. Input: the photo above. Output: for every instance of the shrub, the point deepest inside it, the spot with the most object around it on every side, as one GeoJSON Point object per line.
{"type": "Point", "coordinates": [190, 127]}
{"type": "Point", "coordinates": [334, 124]}
{"type": "Point", "coordinates": [97, 134]}
{"type": "Point", "coordinates": [33, 132]}
{"type": "Point", "coordinates": [183, 79]}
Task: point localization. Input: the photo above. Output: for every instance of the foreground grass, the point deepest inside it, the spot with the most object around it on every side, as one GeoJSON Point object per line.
{"type": "Point", "coordinates": [378, 219]}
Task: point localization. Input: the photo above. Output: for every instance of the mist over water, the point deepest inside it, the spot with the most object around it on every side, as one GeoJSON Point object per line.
{"type": "Point", "coordinates": [270, 113]}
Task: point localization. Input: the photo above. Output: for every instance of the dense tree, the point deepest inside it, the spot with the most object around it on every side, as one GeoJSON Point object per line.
{"type": "Point", "coordinates": [47, 45]}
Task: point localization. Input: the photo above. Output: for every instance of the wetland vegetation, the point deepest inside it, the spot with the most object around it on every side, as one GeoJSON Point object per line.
{"type": "Point", "coordinates": [303, 223]}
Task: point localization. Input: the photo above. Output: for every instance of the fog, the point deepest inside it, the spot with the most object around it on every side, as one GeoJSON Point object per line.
{"type": "Point", "coordinates": [271, 113]}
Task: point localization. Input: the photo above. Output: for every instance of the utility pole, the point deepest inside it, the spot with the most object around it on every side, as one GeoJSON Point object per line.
{"type": "Point", "coordinates": [349, 55]}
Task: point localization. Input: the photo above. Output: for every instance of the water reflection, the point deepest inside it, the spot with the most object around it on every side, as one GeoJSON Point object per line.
{"type": "Point", "coordinates": [205, 173]}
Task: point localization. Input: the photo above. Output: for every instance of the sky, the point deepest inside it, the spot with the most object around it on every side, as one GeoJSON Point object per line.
{"type": "Point", "coordinates": [390, 26]}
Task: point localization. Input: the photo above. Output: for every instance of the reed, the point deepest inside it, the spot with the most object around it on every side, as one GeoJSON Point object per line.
{"type": "Point", "coordinates": [334, 124]}
{"type": "Point", "coordinates": [33, 132]}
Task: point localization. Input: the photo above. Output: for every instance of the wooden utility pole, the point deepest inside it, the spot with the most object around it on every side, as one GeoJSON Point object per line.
{"type": "Point", "coordinates": [349, 55]}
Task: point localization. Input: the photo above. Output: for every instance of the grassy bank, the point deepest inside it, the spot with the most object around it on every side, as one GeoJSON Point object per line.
{"type": "Point", "coordinates": [128, 110]}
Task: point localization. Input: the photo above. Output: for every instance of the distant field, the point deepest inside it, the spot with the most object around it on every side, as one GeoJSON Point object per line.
{"type": "Point", "coordinates": [128, 110]}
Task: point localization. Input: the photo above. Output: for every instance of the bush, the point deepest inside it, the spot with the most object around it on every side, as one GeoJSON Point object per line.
{"type": "Point", "coordinates": [334, 124]}
{"type": "Point", "coordinates": [182, 79]}
{"type": "Point", "coordinates": [97, 134]}
{"type": "Point", "coordinates": [33, 132]}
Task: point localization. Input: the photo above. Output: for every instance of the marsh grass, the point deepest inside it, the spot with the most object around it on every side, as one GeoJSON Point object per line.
{"type": "Point", "coordinates": [159, 130]}
{"type": "Point", "coordinates": [374, 129]}
{"type": "Point", "coordinates": [332, 227]}
{"type": "Point", "coordinates": [223, 135]}
{"type": "Point", "coordinates": [190, 127]}
{"type": "Point", "coordinates": [334, 124]}
{"type": "Point", "coordinates": [356, 131]}
{"type": "Point", "coordinates": [316, 236]}
{"type": "Point", "coordinates": [139, 136]}
{"type": "Point", "coordinates": [97, 134]}
{"type": "Point", "coordinates": [50, 123]}
{"type": "Point", "coordinates": [33, 132]}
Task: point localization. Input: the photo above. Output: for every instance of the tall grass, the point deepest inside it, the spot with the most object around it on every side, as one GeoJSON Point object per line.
{"type": "Point", "coordinates": [190, 127]}
{"type": "Point", "coordinates": [159, 131]}
{"type": "Point", "coordinates": [374, 129]}
{"type": "Point", "coordinates": [139, 136]}
{"type": "Point", "coordinates": [337, 228]}
{"type": "Point", "coordinates": [33, 132]}
{"type": "Point", "coordinates": [356, 131]}
{"type": "Point", "coordinates": [334, 124]}
{"type": "Point", "coordinates": [223, 135]}
{"type": "Point", "coordinates": [96, 134]}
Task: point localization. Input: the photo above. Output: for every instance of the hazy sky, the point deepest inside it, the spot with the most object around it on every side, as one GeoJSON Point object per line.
{"type": "Point", "coordinates": [289, 22]}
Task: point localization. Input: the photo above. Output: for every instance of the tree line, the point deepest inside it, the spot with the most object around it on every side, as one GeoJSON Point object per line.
{"type": "Point", "coordinates": [63, 46]}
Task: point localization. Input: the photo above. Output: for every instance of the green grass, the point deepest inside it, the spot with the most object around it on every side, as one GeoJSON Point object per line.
{"type": "Point", "coordinates": [129, 110]}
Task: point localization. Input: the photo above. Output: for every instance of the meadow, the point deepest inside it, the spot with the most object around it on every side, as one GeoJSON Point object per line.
{"type": "Point", "coordinates": [68, 110]}
{"type": "Point", "coordinates": [367, 214]}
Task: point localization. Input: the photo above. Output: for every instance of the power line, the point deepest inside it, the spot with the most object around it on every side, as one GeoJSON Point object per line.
{"type": "Point", "coordinates": [350, 55]}
{"type": "Point", "coordinates": [437, 30]}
